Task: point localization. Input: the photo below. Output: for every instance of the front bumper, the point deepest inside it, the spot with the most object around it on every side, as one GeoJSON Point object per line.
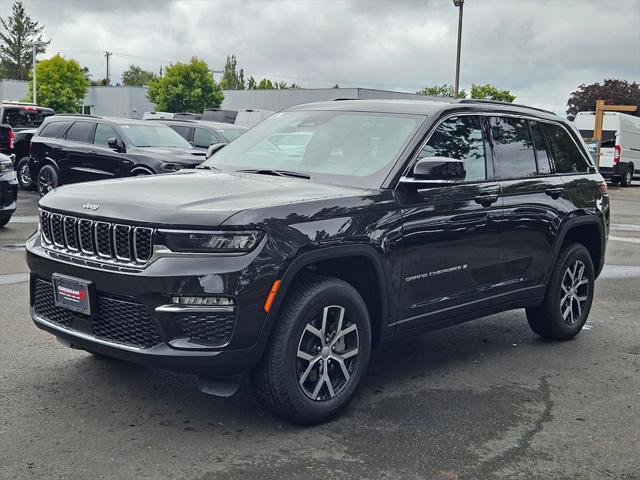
{"type": "Point", "coordinates": [8, 192]}
{"type": "Point", "coordinates": [133, 319]}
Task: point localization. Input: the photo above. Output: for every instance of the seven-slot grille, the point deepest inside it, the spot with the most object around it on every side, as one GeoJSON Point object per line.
{"type": "Point", "coordinates": [97, 239]}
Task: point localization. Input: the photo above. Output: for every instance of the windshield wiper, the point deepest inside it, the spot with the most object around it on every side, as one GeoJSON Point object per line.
{"type": "Point", "coordinates": [277, 173]}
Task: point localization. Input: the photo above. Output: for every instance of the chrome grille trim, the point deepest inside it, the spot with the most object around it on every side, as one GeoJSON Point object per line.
{"type": "Point", "coordinates": [122, 245]}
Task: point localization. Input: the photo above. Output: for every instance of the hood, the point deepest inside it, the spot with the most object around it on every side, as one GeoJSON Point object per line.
{"type": "Point", "coordinates": [174, 155]}
{"type": "Point", "coordinates": [195, 198]}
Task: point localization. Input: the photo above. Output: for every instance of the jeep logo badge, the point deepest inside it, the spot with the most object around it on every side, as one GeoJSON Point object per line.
{"type": "Point", "coordinates": [91, 206]}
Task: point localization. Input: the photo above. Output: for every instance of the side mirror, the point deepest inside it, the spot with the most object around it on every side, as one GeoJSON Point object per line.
{"type": "Point", "coordinates": [213, 148]}
{"type": "Point", "coordinates": [436, 171]}
{"type": "Point", "coordinates": [115, 144]}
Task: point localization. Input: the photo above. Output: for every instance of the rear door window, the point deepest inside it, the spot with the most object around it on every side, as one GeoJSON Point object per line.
{"type": "Point", "coordinates": [542, 155]}
{"type": "Point", "coordinates": [54, 129]}
{"type": "Point", "coordinates": [460, 138]}
{"type": "Point", "coordinates": [566, 156]}
{"type": "Point", "coordinates": [184, 132]}
{"type": "Point", "coordinates": [513, 148]}
{"type": "Point", "coordinates": [81, 132]}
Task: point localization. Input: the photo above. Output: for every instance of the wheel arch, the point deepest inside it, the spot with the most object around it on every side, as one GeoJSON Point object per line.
{"type": "Point", "coordinates": [140, 169]}
{"type": "Point", "coordinates": [355, 264]}
{"type": "Point", "coordinates": [589, 232]}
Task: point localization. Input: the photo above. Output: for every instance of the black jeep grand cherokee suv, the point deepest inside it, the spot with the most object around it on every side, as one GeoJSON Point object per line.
{"type": "Point", "coordinates": [290, 262]}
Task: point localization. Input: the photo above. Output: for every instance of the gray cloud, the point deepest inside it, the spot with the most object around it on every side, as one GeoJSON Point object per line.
{"type": "Point", "coordinates": [539, 49]}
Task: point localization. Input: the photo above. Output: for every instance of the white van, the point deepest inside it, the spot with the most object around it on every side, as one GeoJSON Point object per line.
{"type": "Point", "coordinates": [620, 145]}
{"type": "Point", "coordinates": [248, 118]}
{"type": "Point", "coordinates": [151, 115]}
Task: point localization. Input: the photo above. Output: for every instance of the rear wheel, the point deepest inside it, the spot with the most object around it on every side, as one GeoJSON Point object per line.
{"type": "Point", "coordinates": [24, 175]}
{"type": "Point", "coordinates": [626, 179]}
{"type": "Point", "coordinates": [318, 354]}
{"type": "Point", "coordinates": [567, 302]}
{"type": "Point", "coordinates": [48, 179]}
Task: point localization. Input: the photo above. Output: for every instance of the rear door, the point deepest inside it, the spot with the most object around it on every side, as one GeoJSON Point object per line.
{"type": "Point", "coordinates": [450, 236]}
{"type": "Point", "coordinates": [534, 210]}
{"type": "Point", "coordinates": [80, 163]}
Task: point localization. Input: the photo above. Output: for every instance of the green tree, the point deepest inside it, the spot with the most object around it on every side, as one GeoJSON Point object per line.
{"type": "Point", "coordinates": [613, 91]}
{"type": "Point", "coordinates": [135, 76]}
{"type": "Point", "coordinates": [490, 92]}
{"type": "Point", "coordinates": [443, 90]}
{"type": "Point", "coordinates": [265, 84]}
{"type": "Point", "coordinates": [62, 84]}
{"type": "Point", "coordinates": [252, 84]}
{"type": "Point", "coordinates": [185, 87]}
{"type": "Point", "coordinates": [232, 79]}
{"type": "Point", "coordinates": [15, 55]}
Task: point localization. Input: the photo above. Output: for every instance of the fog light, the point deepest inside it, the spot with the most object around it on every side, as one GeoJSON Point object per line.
{"type": "Point", "coordinates": [216, 301]}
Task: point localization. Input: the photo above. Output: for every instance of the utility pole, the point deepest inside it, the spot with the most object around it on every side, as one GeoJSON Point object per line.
{"type": "Point", "coordinates": [34, 46]}
{"type": "Point", "coordinates": [460, 5]}
{"type": "Point", "coordinates": [107, 55]}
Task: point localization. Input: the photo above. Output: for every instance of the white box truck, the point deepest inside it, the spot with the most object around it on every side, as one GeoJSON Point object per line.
{"type": "Point", "coordinates": [620, 144]}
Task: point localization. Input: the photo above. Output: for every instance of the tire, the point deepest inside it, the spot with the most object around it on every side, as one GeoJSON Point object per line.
{"type": "Point", "coordinates": [625, 180]}
{"type": "Point", "coordinates": [292, 377]}
{"type": "Point", "coordinates": [569, 296]}
{"type": "Point", "coordinates": [4, 219]}
{"type": "Point", "coordinates": [23, 174]}
{"type": "Point", "coordinates": [48, 179]}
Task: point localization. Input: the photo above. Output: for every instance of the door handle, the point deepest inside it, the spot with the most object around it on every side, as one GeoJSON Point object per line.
{"type": "Point", "coordinates": [486, 199]}
{"type": "Point", "coordinates": [57, 147]}
{"type": "Point", "coordinates": [92, 152]}
{"type": "Point", "coordinates": [554, 192]}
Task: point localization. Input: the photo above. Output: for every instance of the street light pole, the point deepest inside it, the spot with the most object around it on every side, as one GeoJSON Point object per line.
{"type": "Point", "coordinates": [34, 45]}
{"type": "Point", "coordinates": [460, 5]}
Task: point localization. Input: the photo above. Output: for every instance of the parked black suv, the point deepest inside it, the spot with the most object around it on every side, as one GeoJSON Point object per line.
{"type": "Point", "coordinates": [202, 134]}
{"type": "Point", "coordinates": [8, 189]}
{"type": "Point", "coordinates": [80, 148]}
{"type": "Point", "coordinates": [291, 264]}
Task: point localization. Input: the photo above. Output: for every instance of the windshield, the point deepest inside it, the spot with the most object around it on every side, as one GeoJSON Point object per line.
{"type": "Point", "coordinates": [348, 148]}
{"type": "Point", "coordinates": [153, 136]}
{"type": "Point", "coordinates": [231, 133]}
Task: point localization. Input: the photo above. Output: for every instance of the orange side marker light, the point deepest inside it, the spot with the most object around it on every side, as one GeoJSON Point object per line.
{"type": "Point", "coordinates": [272, 295]}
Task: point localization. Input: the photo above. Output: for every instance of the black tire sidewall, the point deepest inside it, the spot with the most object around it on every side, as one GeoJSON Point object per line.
{"type": "Point", "coordinates": [333, 294]}
{"type": "Point", "coordinates": [569, 257]}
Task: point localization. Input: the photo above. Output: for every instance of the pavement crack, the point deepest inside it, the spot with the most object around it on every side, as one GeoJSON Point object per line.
{"type": "Point", "coordinates": [487, 468]}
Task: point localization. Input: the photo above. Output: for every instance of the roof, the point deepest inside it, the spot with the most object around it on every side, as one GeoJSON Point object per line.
{"type": "Point", "coordinates": [117, 120]}
{"type": "Point", "coordinates": [205, 123]}
{"type": "Point", "coordinates": [424, 107]}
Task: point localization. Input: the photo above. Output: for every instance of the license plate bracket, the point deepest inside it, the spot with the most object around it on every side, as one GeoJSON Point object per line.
{"type": "Point", "coordinates": [72, 293]}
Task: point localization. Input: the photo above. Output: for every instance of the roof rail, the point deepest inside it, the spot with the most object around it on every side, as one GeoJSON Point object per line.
{"type": "Point", "coordinates": [18, 102]}
{"type": "Point", "coordinates": [507, 104]}
{"type": "Point", "coordinates": [186, 120]}
{"type": "Point", "coordinates": [85, 115]}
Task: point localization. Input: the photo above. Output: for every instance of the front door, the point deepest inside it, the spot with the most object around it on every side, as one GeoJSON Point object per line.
{"type": "Point", "coordinates": [111, 163]}
{"type": "Point", "coordinates": [450, 233]}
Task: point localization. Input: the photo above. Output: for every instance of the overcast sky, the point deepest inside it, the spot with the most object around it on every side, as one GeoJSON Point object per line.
{"type": "Point", "coordinates": [541, 50]}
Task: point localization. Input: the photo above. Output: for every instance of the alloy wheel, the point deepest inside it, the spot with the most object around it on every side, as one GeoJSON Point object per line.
{"type": "Point", "coordinates": [327, 353]}
{"type": "Point", "coordinates": [25, 177]}
{"type": "Point", "coordinates": [46, 181]}
{"type": "Point", "coordinates": [575, 292]}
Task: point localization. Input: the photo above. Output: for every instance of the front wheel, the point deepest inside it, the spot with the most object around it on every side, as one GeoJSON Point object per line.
{"type": "Point", "coordinates": [318, 353]}
{"type": "Point", "coordinates": [24, 175]}
{"type": "Point", "coordinates": [48, 179]}
{"type": "Point", "coordinates": [569, 295]}
{"type": "Point", "coordinates": [4, 219]}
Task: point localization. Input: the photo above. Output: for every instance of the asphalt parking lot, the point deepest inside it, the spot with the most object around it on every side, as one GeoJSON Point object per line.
{"type": "Point", "coordinates": [486, 399]}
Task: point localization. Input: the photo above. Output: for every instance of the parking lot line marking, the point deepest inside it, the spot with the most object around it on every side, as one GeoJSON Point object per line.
{"type": "Point", "coordinates": [620, 271]}
{"type": "Point", "coordinates": [625, 227]}
{"type": "Point", "coordinates": [10, 278]}
{"type": "Point", "coordinates": [624, 239]}
{"type": "Point", "coordinates": [24, 219]}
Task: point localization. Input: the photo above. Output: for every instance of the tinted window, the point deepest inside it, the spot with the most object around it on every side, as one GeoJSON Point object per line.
{"type": "Point", "coordinates": [21, 117]}
{"type": "Point", "coordinates": [54, 129]}
{"type": "Point", "coordinates": [204, 138]}
{"type": "Point", "coordinates": [103, 133]}
{"type": "Point", "coordinates": [513, 148]}
{"type": "Point", "coordinates": [566, 156]}
{"type": "Point", "coordinates": [81, 132]}
{"type": "Point", "coordinates": [460, 138]}
{"type": "Point", "coordinates": [141, 135]}
{"type": "Point", "coordinates": [544, 160]}
{"type": "Point", "coordinates": [184, 132]}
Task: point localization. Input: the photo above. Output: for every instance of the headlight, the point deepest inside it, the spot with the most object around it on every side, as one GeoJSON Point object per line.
{"type": "Point", "coordinates": [172, 167]}
{"type": "Point", "coordinates": [213, 242]}
{"type": "Point", "coordinates": [5, 163]}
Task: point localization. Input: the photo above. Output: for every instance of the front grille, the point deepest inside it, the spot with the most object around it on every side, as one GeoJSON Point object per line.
{"type": "Point", "coordinates": [88, 239]}
{"type": "Point", "coordinates": [115, 320]}
{"type": "Point", "coordinates": [214, 328]}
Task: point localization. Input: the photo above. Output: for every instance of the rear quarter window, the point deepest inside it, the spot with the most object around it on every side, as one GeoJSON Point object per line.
{"type": "Point", "coordinates": [54, 129]}
{"type": "Point", "coordinates": [564, 151]}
